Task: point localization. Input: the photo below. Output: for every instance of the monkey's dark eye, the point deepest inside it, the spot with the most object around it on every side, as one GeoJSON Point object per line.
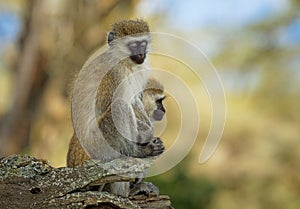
{"type": "Point", "coordinates": [132, 45]}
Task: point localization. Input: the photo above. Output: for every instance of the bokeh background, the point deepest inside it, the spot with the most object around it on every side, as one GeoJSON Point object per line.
{"type": "Point", "coordinates": [254, 45]}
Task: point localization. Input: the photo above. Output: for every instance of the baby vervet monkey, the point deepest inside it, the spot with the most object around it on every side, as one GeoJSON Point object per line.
{"type": "Point", "coordinates": [125, 60]}
{"type": "Point", "coordinates": [153, 96]}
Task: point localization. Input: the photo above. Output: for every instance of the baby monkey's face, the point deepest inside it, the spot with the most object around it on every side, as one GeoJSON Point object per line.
{"type": "Point", "coordinates": [153, 103]}
{"type": "Point", "coordinates": [160, 110]}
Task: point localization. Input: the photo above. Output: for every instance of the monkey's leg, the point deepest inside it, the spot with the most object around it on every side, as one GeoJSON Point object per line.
{"type": "Point", "coordinates": [118, 188]}
{"type": "Point", "coordinates": [143, 188]}
{"type": "Point", "coordinates": [76, 154]}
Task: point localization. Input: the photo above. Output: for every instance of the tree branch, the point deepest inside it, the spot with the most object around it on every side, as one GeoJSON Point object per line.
{"type": "Point", "coordinates": [26, 182]}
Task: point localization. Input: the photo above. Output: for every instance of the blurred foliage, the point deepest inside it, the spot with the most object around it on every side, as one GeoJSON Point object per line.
{"type": "Point", "coordinates": [257, 162]}
{"type": "Point", "coordinates": [186, 191]}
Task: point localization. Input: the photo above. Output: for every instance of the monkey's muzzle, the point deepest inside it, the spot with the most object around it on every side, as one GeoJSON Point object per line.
{"type": "Point", "coordinates": [138, 58]}
{"type": "Point", "coordinates": [158, 115]}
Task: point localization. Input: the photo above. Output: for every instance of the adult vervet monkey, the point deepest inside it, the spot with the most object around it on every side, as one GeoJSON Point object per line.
{"type": "Point", "coordinates": [124, 64]}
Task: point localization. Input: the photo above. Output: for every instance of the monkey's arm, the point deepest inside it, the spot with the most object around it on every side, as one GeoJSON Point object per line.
{"type": "Point", "coordinates": [141, 115]}
{"type": "Point", "coordinates": [144, 124]}
{"type": "Point", "coordinates": [131, 121]}
{"type": "Point", "coordinates": [117, 124]}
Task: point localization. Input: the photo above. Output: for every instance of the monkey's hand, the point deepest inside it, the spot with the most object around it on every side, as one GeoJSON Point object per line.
{"type": "Point", "coordinates": [153, 148]}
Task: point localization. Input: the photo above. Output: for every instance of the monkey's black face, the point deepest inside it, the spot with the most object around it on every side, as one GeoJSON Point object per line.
{"type": "Point", "coordinates": [138, 51]}
{"type": "Point", "coordinates": [159, 113]}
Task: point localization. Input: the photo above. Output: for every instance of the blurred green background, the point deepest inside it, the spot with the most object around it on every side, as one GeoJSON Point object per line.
{"type": "Point", "coordinates": [254, 45]}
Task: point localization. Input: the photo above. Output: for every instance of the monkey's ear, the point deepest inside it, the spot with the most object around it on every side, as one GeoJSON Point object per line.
{"type": "Point", "coordinates": [110, 37]}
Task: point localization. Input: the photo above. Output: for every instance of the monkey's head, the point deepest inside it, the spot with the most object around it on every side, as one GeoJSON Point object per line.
{"type": "Point", "coordinates": [153, 97]}
{"type": "Point", "coordinates": [131, 38]}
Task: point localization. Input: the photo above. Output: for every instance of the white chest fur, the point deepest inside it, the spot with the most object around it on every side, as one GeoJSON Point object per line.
{"type": "Point", "coordinates": [130, 88]}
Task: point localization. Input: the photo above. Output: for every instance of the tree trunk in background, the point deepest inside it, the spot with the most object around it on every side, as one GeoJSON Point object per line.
{"type": "Point", "coordinates": [29, 84]}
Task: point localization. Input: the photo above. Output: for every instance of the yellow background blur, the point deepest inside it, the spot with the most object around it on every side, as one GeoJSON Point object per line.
{"type": "Point", "coordinates": [254, 46]}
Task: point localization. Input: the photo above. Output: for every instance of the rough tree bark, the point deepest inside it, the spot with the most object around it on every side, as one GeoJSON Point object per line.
{"type": "Point", "coordinates": [26, 182]}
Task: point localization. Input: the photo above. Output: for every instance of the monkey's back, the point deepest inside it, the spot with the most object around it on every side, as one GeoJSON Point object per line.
{"type": "Point", "coordinates": [76, 154]}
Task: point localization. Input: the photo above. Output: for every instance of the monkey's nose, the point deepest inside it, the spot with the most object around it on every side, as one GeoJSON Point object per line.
{"type": "Point", "coordinates": [141, 56]}
{"type": "Point", "coordinates": [138, 58]}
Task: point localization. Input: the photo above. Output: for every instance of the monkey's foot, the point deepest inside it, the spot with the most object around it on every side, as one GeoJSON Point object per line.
{"type": "Point", "coordinates": [144, 188]}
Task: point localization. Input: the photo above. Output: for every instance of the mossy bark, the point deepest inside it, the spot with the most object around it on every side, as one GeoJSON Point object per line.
{"type": "Point", "coordinates": [26, 182]}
